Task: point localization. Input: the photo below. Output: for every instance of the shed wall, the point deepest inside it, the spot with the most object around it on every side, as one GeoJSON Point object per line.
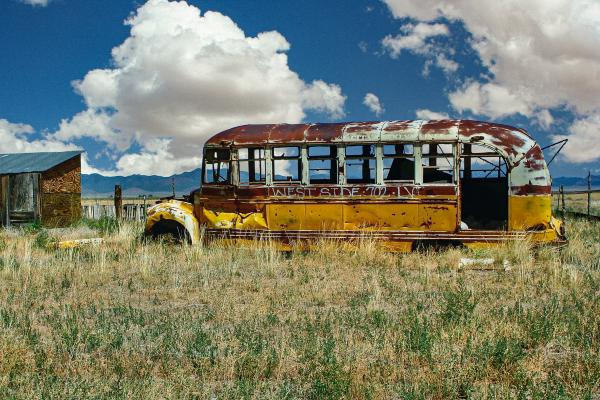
{"type": "Point", "coordinates": [3, 199]}
{"type": "Point", "coordinates": [61, 194]}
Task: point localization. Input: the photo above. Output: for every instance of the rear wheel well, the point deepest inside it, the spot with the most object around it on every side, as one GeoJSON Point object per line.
{"type": "Point", "coordinates": [170, 230]}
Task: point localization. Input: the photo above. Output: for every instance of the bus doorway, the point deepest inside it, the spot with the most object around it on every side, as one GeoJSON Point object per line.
{"type": "Point", "coordinates": [483, 189]}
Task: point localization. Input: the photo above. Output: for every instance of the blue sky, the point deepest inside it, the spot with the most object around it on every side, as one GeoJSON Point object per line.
{"type": "Point", "coordinates": [149, 108]}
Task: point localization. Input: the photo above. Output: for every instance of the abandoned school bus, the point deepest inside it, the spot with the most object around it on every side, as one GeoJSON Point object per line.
{"type": "Point", "coordinates": [399, 182]}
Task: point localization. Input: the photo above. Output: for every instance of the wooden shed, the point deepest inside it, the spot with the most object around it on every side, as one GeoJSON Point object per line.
{"type": "Point", "coordinates": [43, 187]}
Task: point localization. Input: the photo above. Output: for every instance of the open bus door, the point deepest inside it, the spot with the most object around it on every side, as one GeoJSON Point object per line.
{"type": "Point", "coordinates": [483, 188]}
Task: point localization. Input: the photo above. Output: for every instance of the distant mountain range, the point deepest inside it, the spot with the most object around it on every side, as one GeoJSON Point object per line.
{"type": "Point", "coordinates": [95, 185]}
{"type": "Point", "coordinates": [576, 182]}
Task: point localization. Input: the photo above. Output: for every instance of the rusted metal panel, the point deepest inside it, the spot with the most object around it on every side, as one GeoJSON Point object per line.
{"type": "Point", "coordinates": [323, 133]}
{"type": "Point", "coordinates": [404, 131]}
{"type": "Point", "coordinates": [442, 131]}
{"type": "Point", "coordinates": [288, 133]}
{"type": "Point", "coordinates": [511, 142]}
{"type": "Point", "coordinates": [245, 134]}
{"type": "Point", "coordinates": [369, 132]}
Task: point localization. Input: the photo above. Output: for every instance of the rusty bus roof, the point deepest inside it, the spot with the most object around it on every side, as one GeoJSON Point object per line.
{"type": "Point", "coordinates": [410, 130]}
{"type": "Point", "coordinates": [528, 171]}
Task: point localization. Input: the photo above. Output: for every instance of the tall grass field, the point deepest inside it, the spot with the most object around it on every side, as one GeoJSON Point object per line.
{"type": "Point", "coordinates": [130, 319]}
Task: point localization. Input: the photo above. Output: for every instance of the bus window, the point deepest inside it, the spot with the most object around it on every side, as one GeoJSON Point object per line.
{"type": "Point", "coordinates": [252, 166]}
{"type": "Point", "coordinates": [360, 164]}
{"type": "Point", "coordinates": [481, 162]}
{"type": "Point", "coordinates": [287, 164]}
{"type": "Point", "coordinates": [438, 163]}
{"type": "Point", "coordinates": [322, 164]}
{"type": "Point", "coordinates": [398, 162]}
{"type": "Point", "coordinates": [217, 166]}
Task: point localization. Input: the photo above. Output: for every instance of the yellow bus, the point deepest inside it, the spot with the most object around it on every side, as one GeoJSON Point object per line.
{"type": "Point", "coordinates": [401, 183]}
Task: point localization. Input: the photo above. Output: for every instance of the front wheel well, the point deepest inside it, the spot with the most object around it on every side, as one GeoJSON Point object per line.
{"type": "Point", "coordinates": [167, 228]}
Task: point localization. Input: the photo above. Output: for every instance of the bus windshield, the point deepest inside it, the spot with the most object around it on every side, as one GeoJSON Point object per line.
{"type": "Point", "coordinates": [217, 166]}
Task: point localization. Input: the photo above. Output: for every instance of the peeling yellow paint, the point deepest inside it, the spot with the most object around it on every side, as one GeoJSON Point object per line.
{"type": "Point", "coordinates": [526, 212]}
{"type": "Point", "coordinates": [178, 211]}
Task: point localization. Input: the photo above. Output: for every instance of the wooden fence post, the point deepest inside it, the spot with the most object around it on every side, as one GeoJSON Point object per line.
{"type": "Point", "coordinates": [562, 198]}
{"type": "Point", "coordinates": [118, 202]}
{"type": "Point", "coordinates": [589, 193]}
{"type": "Point", "coordinates": [558, 198]}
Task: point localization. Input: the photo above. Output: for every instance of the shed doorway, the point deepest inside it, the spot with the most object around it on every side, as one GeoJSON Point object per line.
{"type": "Point", "coordinates": [483, 189]}
{"type": "Point", "coordinates": [22, 199]}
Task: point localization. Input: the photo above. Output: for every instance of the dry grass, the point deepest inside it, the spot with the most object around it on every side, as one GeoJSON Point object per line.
{"type": "Point", "coordinates": [134, 320]}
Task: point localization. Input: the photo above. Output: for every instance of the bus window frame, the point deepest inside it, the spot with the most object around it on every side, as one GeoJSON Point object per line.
{"type": "Point", "coordinates": [377, 151]}
{"type": "Point", "coordinates": [341, 158]}
{"type": "Point", "coordinates": [412, 156]}
{"type": "Point", "coordinates": [249, 160]}
{"type": "Point", "coordinates": [492, 153]}
{"type": "Point", "coordinates": [419, 167]}
{"type": "Point", "coordinates": [300, 158]}
{"type": "Point", "coordinates": [230, 161]}
{"type": "Point", "coordinates": [334, 164]}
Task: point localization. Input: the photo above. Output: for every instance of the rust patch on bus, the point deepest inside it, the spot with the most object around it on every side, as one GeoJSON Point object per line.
{"type": "Point", "coordinates": [504, 137]}
{"type": "Point", "coordinates": [245, 134]}
{"type": "Point", "coordinates": [288, 133]}
{"type": "Point", "coordinates": [323, 133]}
{"type": "Point", "coordinates": [531, 189]}
{"type": "Point", "coordinates": [399, 126]}
{"type": "Point", "coordinates": [534, 159]}
{"type": "Point", "coordinates": [439, 126]}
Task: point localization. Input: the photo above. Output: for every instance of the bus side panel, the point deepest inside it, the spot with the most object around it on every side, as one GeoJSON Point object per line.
{"type": "Point", "coordinates": [529, 211]}
{"type": "Point", "coordinates": [285, 216]}
{"type": "Point", "coordinates": [438, 217]}
{"type": "Point", "coordinates": [393, 216]}
{"type": "Point", "coordinates": [323, 217]}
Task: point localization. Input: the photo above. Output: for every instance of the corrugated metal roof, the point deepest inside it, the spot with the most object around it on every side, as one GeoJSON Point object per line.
{"type": "Point", "coordinates": [18, 163]}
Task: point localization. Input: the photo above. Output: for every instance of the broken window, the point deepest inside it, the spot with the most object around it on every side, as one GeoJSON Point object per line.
{"type": "Point", "coordinates": [322, 164]}
{"type": "Point", "coordinates": [286, 164]}
{"type": "Point", "coordinates": [398, 162]}
{"type": "Point", "coordinates": [479, 161]}
{"type": "Point", "coordinates": [360, 164]}
{"type": "Point", "coordinates": [438, 163]}
{"type": "Point", "coordinates": [217, 166]}
{"type": "Point", "coordinates": [252, 166]}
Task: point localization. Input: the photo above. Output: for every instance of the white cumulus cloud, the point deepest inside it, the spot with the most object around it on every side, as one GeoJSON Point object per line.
{"type": "Point", "coordinates": [41, 3]}
{"type": "Point", "coordinates": [583, 138]}
{"type": "Point", "coordinates": [16, 138]}
{"type": "Point", "coordinates": [374, 104]}
{"type": "Point", "coordinates": [182, 76]}
{"type": "Point", "coordinates": [540, 55]}
{"type": "Point", "coordinates": [420, 39]}
{"type": "Point", "coordinates": [414, 38]}
{"type": "Point", "coordinates": [426, 114]}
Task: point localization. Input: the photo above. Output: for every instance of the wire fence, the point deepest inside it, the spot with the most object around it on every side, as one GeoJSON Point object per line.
{"type": "Point", "coordinates": [583, 203]}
